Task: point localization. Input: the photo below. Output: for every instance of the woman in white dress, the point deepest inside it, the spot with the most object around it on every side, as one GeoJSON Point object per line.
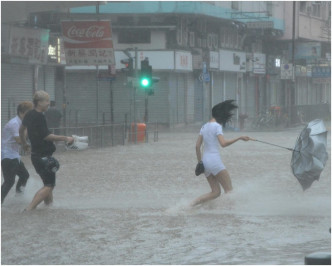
{"type": "Point", "coordinates": [211, 135]}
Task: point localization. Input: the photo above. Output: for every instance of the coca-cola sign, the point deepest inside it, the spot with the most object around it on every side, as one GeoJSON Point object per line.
{"type": "Point", "coordinates": [90, 32]}
{"type": "Point", "coordinates": [88, 42]}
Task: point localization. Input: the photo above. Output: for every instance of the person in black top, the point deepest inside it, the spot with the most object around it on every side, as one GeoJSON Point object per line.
{"type": "Point", "coordinates": [42, 146]}
{"type": "Point", "coordinates": [53, 118]}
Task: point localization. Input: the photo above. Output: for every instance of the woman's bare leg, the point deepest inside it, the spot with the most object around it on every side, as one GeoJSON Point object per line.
{"type": "Point", "coordinates": [225, 180]}
{"type": "Point", "coordinates": [215, 192]}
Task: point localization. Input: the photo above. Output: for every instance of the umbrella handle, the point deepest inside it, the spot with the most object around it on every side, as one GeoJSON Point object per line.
{"type": "Point", "coordinates": [273, 144]}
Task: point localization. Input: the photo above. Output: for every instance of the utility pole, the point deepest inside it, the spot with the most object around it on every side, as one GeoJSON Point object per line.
{"type": "Point", "coordinates": [97, 79]}
{"type": "Point", "coordinates": [293, 38]}
{"type": "Point", "coordinates": [292, 83]}
{"type": "Point", "coordinates": [134, 87]}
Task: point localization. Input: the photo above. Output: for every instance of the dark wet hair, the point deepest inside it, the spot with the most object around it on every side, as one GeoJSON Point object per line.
{"type": "Point", "coordinates": [222, 112]}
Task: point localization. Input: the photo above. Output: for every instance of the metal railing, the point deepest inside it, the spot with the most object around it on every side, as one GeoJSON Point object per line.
{"type": "Point", "coordinates": [111, 134]}
{"type": "Point", "coordinates": [300, 114]}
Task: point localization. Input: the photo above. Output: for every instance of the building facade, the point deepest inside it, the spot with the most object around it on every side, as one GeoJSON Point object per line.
{"type": "Point", "coordinates": [203, 53]}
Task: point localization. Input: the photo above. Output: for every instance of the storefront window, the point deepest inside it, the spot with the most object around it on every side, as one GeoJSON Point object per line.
{"type": "Point", "coordinates": [134, 36]}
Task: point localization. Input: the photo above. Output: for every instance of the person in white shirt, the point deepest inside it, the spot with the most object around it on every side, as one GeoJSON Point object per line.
{"type": "Point", "coordinates": [211, 134]}
{"type": "Point", "coordinates": [11, 163]}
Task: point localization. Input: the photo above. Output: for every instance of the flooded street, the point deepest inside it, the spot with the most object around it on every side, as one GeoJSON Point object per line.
{"type": "Point", "coordinates": [129, 205]}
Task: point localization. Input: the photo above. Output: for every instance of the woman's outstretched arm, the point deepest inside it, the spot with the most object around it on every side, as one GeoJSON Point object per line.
{"type": "Point", "coordinates": [224, 142]}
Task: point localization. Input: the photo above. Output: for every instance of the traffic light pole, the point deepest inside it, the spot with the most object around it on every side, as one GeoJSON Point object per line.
{"type": "Point", "coordinates": [134, 88]}
{"type": "Point", "coordinates": [146, 116]}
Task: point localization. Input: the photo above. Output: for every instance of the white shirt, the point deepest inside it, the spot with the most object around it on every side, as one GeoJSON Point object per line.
{"type": "Point", "coordinates": [9, 147]}
{"type": "Point", "coordinates": [211, 155]}
{"type": "Point", "coordinates": [210, 131]}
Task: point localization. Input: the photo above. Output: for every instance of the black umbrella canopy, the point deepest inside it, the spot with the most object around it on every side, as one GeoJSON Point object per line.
{"type": "Point", "coordinates": [309, 154]}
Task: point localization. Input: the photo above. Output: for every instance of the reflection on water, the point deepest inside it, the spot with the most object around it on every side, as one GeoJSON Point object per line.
{"type": "Point", "coordinates": [130, 205]}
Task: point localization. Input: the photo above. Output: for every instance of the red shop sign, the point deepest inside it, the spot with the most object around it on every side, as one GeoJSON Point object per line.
{"type": "Point", "coordinates": [88, 42]}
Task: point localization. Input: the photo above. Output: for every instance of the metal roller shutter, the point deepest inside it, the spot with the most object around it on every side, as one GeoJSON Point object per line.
{"type": "Point", "coordinates": [199, 104]}
{"type": "Point", "coordinates": [177, 98]}
{"type": "Point", "coordinates": [104, 110]}
{"type": "Point", "coordinates": [217, 88]}
{"type": "Point", "coordinates": [231, 85]}
{"type": "Point", "coordinates": [190, 98]}
{"type": "Point", "coordinates": [122, 100]}
{"type": "Point", "coordinates": [181, 98]}
{"type": "Point", "coordinates": [158, 103]}
{"type": "Point", "coordinates": [140, 103]}
{"type": "Point", "coordinates": [81, 97]}
{"type": "Point", "coordinates": [46, 80]}
{"type": "Point", "coordinates": [16, 86]}
{"type": "Point", "coordinates": [250, 97]}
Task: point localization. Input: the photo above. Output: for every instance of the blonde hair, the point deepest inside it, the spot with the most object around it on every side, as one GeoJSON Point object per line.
{"type": "Point", "coordinates": [23, 107]}
{"type": "Point", "coordinates": [40, 96]}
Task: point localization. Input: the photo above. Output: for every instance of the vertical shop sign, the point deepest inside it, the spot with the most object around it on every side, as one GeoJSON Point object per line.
{"type": "Point", "coordinates": [259, 66]}
{"type": "Point", "coordinates": [214, 60]}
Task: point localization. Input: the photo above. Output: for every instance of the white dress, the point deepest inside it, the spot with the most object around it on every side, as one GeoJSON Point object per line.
{"type": "Point", "coordinates": [211, 154]}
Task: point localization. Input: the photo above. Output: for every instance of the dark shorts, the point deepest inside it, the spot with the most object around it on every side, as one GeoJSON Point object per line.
{"type": "Point", "coordinates": [47, 176]}
{"type": "Point", "coordinates": [13, 167]}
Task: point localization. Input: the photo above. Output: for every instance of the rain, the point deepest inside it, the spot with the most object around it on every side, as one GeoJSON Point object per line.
{"type": "Point", "coordinates": [140, 102]}
{"type": "Point", "coordinates": [113, 206]}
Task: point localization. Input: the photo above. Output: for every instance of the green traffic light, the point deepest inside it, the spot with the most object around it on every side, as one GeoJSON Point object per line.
{"type": "Point", "coordinates": [145, 82]}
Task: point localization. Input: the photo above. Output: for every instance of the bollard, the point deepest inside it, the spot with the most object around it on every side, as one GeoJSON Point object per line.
{"type": "Point", "coordinates": [318, 258]}
{"type": "Point", "coordinates": [139, 132]}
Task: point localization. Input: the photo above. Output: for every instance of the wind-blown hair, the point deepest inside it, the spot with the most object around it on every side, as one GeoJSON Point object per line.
{"type": "Point", "coordinates": [222, 112]}
{"type": "Point", "coordinates": [40, 96]}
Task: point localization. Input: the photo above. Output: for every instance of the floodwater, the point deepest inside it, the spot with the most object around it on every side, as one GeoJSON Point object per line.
{"type": "Point", "coordinates": [129, 205]}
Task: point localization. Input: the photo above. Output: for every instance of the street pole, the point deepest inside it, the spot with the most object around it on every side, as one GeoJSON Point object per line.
{"type": "Point", "coordinates": [134, 87]}
{"type": "Point", "coordinates": [97, 67]}
{"type": "Point", "coordinates": [64, 99]}
{"type": "Point", "coordinates": [146, 113]}
{"type": "Point", "coordinates": [97, 96]}
{"type": "Point", "coordinates": [292, 83]}
{"type": "Point", "coordinates": [111, 102]}
{"type": "Point", "coordinates": [293, 37]}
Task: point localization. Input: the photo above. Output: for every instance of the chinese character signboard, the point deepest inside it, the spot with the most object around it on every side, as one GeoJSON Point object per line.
{"type": "Point", "coordinates": [88, 42]}
{"type": "Point", "coordinates": [321, 72]}
{"type": "Point", "coordinates": [232, 61]}
{"type": "Point", "coordinates": [259, 66]}
{"type": "Point", "coordinates": [27, 42]}
{"type": "Point", "coordinates": [214, 60]}
{"type": "Point", "coordinates": [260, 25]}
{"type": "Point", "coordinates": [183, 61]}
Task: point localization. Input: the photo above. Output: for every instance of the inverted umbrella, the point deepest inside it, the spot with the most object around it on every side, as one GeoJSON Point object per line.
{"type": "Point", "coordinates": [309, 154]}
